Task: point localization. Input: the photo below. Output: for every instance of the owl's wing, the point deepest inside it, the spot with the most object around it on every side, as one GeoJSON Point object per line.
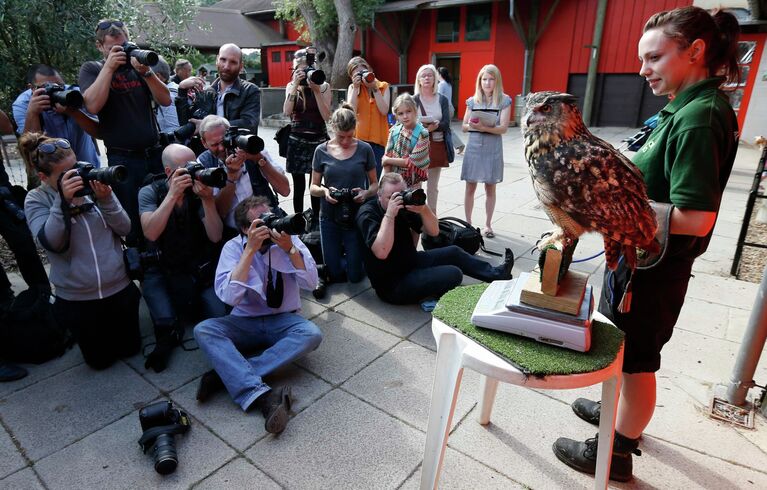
{"type": "Point", "coordinates": [596, 141]}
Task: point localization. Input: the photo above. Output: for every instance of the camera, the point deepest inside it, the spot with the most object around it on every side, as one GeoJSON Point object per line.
{"type": "Point", "coordinates": [345, 212]}
{"type": "Point", "coordinates": [161, 422]}
{"type": "Point", "coordinates": [312, 73]}
{"type": "Point", "coordinates": [367, 76]}
{"type": "Point", "coordinates": [136, 261]}
{"type": "Point", "coordinates": [143, 56]}
{"type": "Point", "coordinates": [186, 131]}
{"type": "Point", "coordinates": [413, 197]}
{"type": "Point", "coordinates": [8, 201]}
{"type": "Point", "coordinates": [212, 177]}
{"type": "Point", "coordinates": [60, 95]}
{"type": "Point", "coordinates": [243, 139]}
{"type": "Point", "coordinates": [292, 224]}
{"type": "Point", "coordinates": [108, 176]}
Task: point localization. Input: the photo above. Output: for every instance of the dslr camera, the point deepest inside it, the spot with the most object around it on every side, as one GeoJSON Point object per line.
{"type": "Point", "coordinates": [243, 139]}
{"type": "Point", "coordinates": [367, 76]}
{"type": "Point", "coordinates": [345, 211]}
{"type": "Point", "coordinates": [59, 94]}
{"type": "Point", "coordinates": [212, 177]}
{"type": "Point", "coordinates": [136, 261]}
{"type": "Point", "coordinates": [312, 72]}
{"type": "Point", "coordinates": [143, 56]}
{"type": "Point", "coordinates": [292, 224]}
{"type": "Point", "coordinates": [107, 175]}
{"type": "Point", "coordinates": [185, 131]}
{"type": "Point", "coordinates": [161, 422]}
{"type": "Point", "coordinates": [413, 197]}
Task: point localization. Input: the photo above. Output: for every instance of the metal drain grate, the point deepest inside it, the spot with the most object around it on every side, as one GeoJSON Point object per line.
{"type": "Point", "coordinates": [722, 410]}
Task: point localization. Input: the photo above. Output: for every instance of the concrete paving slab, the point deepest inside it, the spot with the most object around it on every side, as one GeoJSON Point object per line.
{"type": "Point", "coordinates": [704, 317]}
{"type": "Point", "coordinates": [37, 372]}
{"type": "Point", "coordinates": [737, 324]}
{"type": "Point", "coordinates": [699, 356]}
{"type": "Point", "coordinates": [238, 474]}
{"type": "Point", "coordinates": [424, 337]}
{"type": "Point", "coordinates": [341, 442]}
{"type": "Point", "coordinates": [400, 383]}
{"type": "Point", "coordinates": [310, 309]}
{"type": "Point", "coordinates": [10, 458]}
{"type": "Point", "coordinates": [338, 293]}
{"type": "Point", "coordinates": [398, 320]}
{"type": "Point", "coordinates": [461, 472]}
{"type": "Point", "coordinates": [60, 410]}
{"type": "Point", "coordinates": [111, 458]}
{"type": "Point", "coordinates": [22, 480]}
{"type": "Point", "coordinates": [348, 346]}
{"type": "Point", "coordinates": [240, 429]}
{"type": "Point", "coordinates": [183, 366]}
{"type": "Point", "coordinates": [725, 291]}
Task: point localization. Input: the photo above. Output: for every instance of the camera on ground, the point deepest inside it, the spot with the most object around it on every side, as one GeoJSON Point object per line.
{"type": "Point", "coordinates": [107, 176]}
{"type": "Point", "coordinates": [59, 94]}
{"type": "Point", "coordinates": [143, 56]}
{"type": "Point", "coordinates": [243, 139]}
{"type": "Point", "coordinates": [161, 422]}
{"type": "Point", "coordinates": [212, 177]}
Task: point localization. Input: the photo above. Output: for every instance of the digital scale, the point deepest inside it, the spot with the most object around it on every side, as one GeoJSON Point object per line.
{"type": "Point", "coordinates": [500, 308]}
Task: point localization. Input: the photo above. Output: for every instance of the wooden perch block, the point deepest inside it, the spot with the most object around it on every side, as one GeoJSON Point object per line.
{"type": "Point", "coordinates": [568, 298]}
{"type": "Point", "coordinates": [550, 276]}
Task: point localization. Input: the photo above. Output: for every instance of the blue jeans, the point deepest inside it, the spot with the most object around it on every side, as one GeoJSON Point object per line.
{"type": "Point", "coordinates": [378, 152]}
{"type": "Point", "coordinates": [166, 293]}
{"type": "Point", "coordinates": [335, 241]}
{"type": "Point", "coordinates": [287, 335]}
{"type": "Point", "coordinates": [436, 272]}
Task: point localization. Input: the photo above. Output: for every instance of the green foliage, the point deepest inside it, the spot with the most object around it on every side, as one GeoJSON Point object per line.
{"type": "Point", "coordinates": [61, 33]}
{"type": "Point", "coordinates": [327, 17]}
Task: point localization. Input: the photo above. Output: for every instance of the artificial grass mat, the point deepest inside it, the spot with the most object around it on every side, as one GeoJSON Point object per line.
{"type": "Point", "coordinates": [529, 356]}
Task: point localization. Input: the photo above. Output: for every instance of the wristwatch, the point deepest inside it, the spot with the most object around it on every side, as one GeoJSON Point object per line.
{"type": "Point", "coordinates": [293, 250]}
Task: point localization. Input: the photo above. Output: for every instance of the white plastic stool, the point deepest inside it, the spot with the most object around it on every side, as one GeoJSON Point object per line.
{"type": "Point", "coordinates": [455, 351]}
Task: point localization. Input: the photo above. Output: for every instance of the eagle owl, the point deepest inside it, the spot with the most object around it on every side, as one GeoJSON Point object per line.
{"type": "Point", "coordinates": [583, 182]}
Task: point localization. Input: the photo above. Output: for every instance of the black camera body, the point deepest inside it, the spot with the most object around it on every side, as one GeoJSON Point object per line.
{"type": "Point", "coordinates": [413, 197]}
{"type": "Point", "coordinates": [185, 131]}
{"type": "Point", "coordinates": [212, 177]}
{"type": "Point", "coordinates": [59, 94]}
{"type": "Point", "coordinates": [345, 212]}
{"type": "Point", "coordinates": [143, 56]}
{"type": "Point", "coordinates": [292, 224]}
{"type": "Point", "coordinates": [161, 422]}
{"type": "Point", "coordinates": [243, 139]}
{"type": "Point", "coordinates": [312, 72]}
{"type": "Point", "coordinates": [136, 262]}
{"type": "Point", "coordinates": [107, 175]}
{"type": "Point", "coordinates": [367, 76]}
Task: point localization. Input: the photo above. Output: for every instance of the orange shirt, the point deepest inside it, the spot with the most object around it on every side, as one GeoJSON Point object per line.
{"type": "Point", "coordinates": [372, 126]}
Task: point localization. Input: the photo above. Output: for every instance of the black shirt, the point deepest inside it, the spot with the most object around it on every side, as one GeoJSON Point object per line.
{"type": "Point", "coordinates": [384, 274]}
{"type": "Point", "coordinates": [126, 121]}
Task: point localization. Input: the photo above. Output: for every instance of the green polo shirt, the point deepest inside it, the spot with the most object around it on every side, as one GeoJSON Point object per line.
{"type": "Point", "coordinates": [688, 158]}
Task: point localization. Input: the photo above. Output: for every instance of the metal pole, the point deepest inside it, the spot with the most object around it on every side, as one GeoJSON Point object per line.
{"type": "Point", "coordinates": [596, 46]}
{"type": "Point", "coordinates": [750, 348]}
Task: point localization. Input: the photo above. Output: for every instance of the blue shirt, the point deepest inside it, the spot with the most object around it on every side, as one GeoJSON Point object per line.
{"type": "Point", "coordinates": [59, 126]}
{"type": "Point", "coordinates": [249, 298]}
{"type": "Point", "coordinates": [167, 117]}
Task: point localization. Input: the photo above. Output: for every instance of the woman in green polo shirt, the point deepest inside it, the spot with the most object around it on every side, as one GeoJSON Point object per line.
{"type": "Point", "coordinates": [686, 54]}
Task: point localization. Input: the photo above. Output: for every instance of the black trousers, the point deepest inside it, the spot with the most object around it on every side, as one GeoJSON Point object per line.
{"type": "Point", "coordinates": [105, 329]}
{"type": "Point", "coordinates": [19, 240]}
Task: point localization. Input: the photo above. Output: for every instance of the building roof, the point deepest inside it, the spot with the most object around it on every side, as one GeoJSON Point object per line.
{"type": "Point", "coordinates": [247, 7]}
{"type": "Point", "coordinates": [405, 5]}
{"type": "Point", "coordinates": [228, 26]}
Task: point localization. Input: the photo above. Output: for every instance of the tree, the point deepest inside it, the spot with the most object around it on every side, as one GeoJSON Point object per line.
{"type": "Point", "coordinates": [61, 33]}
{"type": "Point", "coordinates": [332, 26]}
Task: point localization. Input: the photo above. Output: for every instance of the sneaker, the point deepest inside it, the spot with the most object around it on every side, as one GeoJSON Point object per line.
{"type": "Point", "coordinates": [582, 456]}
{"type": "Point", "coordinates": [588, 410]}
{"type": "Point", "coordinates": [210, 383]}
{"type": "Point", "coordinates": [11, 372]}
{"type": "Point", "coordinates": [275, 405]}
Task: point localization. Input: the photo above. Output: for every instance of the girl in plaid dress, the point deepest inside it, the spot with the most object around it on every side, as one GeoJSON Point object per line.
{"type": "Point", "coordinates": [407, 149]}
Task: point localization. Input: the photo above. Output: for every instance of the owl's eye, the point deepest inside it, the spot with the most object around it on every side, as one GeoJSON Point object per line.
{"type": "Point", "coordinates": [545, 108]}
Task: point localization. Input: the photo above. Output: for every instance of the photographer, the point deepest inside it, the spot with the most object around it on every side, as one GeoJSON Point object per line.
{"type": "Point", "coordinates": [371, 98]}
{"type": "Point", "coordinates": [181, 71]}
{"type": "Point", "coordinates": [167, 118]}
{"type": "Point", "coordinates": [307, 103]}
{"type": "Point", "coordinates": [35, 112]}
{"type": "Point", "coordinates": [346, 165]}
{"type": "Point", "coordinates": [398, 272]}
{"type": "Point", "coordinates": [95, 299]}
{"type": "Point", "coordinates": [120, 90]}
{"type": "Point", "coordinates": [228, 96]}
{"type": "Point", "coordinates": [180, 222]}
{"type": "Point", "coordinates": [260, 274]}
{"type": "Point", "coordinates": [247, 175]}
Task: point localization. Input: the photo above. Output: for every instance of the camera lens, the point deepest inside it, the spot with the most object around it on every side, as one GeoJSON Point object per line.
{"type": "Point", "coordinates": [109, 175]}
{"type": "Point", "coordinates": [165, 456]}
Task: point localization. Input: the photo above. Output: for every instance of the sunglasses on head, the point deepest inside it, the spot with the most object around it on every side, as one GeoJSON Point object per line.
{"type": "Point", "coordinates": [50, 146]}
{"type": "Point", "coordinates": [109, 23]}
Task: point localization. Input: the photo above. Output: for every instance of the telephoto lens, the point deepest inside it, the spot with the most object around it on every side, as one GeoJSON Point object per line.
{"type": "Point", "coordinates": [60, 95]}
{"type": "Point", "coordinates": [165, 455]}
{"type": "Point", "coordinates": [212, 177]}
{"type": "Point", "coordinates": [107, 176]}
{"type": "Point", "coordinates": [161, 422]}
{"type": "Point", "coordinates": [315, 75]}
{"type": "Point", "coordinates": [292, 224]}
{"type": "Point", "coordinates": [414, 197]}
{"type": "Point", "coordinates": [244, 140]}
{"type": "Point", "coordinates": [143, 56]}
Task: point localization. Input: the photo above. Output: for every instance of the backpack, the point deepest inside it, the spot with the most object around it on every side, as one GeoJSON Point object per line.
{"type": "Point", "coordinates": [455, 231]}
{"type": "Point", "coordinates": [29, 332]}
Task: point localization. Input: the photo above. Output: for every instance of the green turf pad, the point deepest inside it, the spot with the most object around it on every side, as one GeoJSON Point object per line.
{"type": "Point", "coordinates": [531, 357]}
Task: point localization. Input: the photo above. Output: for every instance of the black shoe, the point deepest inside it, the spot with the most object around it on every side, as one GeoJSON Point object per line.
{"type": "Point", "coordinates": [322, 284]}
{"type": "Point", "coordinates": [11, 372]}
{"type": "Point", "coordinates": [210, 383]}
{"type": "Point", "coordinates": [587, 409]}
{"type": "Point", "coordinates": [582, 456]}
{"type": "Point", "coordinates": [275, 405]}
{"type": "Point", "coordinates": [167, 338]}
{"type": "Point", "coordinates": [504, 270]}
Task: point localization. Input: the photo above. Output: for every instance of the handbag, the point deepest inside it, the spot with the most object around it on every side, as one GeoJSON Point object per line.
{"type": "Point", "coordinates": [282, 137]}
{"type": "Point", "coordinates": [455, 231]}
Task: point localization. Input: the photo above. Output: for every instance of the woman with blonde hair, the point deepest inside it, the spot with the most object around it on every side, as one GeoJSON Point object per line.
{"type": "Point", "coordinates": [434, 113]}
{"type": "Point", "coordinates": [370, 99]}
{"type": "Point", "coordinates": [308, 105]}
{"type": "Point", "coordinates": [486, 119]}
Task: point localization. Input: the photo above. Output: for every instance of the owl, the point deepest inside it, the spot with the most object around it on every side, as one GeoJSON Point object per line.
{"type": "Point", "coordinates": [583, 182]}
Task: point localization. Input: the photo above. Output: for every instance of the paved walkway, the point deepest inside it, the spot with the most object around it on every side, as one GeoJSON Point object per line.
{"type": "Point", "coordinates": [363, 396]}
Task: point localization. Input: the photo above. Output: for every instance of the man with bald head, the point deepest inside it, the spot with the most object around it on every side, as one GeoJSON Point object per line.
{"type": "Point", "coordinates": [228, 96]}
{"type": "Point", "coordinates": [180, 222]}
